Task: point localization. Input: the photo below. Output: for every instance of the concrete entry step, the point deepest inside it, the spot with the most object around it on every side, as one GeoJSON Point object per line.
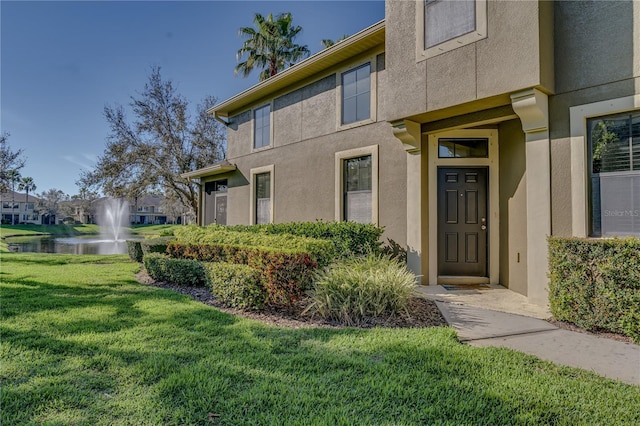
{"type": "Point", "coordinates": [488, 296]}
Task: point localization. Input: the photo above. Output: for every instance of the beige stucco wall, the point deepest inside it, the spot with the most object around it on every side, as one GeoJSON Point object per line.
{"type": "Point", "coordinates": [597, 58]}
{"type": "Point", "coordinates": [304, 178]}
{"type": "Point", "coordinates": [306, 134]}
{"type": "Point", "coordinates": [515, 55]}
{"type": "Point", "coordinates": [513, 207]}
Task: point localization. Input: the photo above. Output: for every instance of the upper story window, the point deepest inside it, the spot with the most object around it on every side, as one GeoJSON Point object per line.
{"type": "Point", "coordinates": [448, 24]}
{"type": "Point", "coordinates": [614, 154]}
{"type": "Point", "coordinates": [262, 126]}
{"type": "Point", "coordinates": [356, 94]}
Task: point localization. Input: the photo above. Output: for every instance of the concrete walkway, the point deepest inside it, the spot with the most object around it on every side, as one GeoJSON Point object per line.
{"type": "Point", "coordinates": [488, 326]}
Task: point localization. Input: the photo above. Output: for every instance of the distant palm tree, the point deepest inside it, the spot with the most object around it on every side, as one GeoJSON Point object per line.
{"type": "Point", "coordinates": [13, 177]}
{"type": "Point", "coordinates": [27, 185]}
{"type": "Point", "coordinates": [269, 45]}
{"type": "Point", "coordinates": [327, 42]}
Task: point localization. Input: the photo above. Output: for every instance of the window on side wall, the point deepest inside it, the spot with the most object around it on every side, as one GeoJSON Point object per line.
{"type": "Point", "coordinates": [262, 127]}
{"type": "Point", "coordinates": [357, 181]}
{"type": "Point", "coordinates": [262, 185]}
{"type": "Point", "coordinates": [449, 24]}
{"type": "Point", "coordinates": [614, 157]}
{"type": "Point", "coordinates": [356, 94]}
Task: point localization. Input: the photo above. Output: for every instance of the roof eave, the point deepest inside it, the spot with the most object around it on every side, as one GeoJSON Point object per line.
{"type": "Point", "coordinates": [216, 169]}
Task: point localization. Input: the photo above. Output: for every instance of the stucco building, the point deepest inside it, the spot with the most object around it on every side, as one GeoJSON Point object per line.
{"type": "Point", "coordinates": [470, 130]}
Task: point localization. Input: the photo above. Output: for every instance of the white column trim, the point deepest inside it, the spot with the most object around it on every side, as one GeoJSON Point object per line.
{"type": "Point", "coordinates": [532, 106]}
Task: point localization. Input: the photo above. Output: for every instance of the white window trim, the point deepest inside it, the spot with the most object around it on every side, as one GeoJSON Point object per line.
{"type": "Point", "coordinates": [479, 33]}
{"type": "Point", "coordinates": [340, 156]}
{"type": "Point", "coordinates": [252, 202]}
{"type": "Point", "coordinates": [579, 154]}
{"type": "Point", "coordinates": [253, 127]}
{"type": "Point", "coordinates": [493, 210]}
{"type": "Point", "coordinates": [373, 93]}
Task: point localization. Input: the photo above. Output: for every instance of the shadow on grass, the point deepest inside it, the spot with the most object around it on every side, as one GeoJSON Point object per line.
{"type": "Point", "coordinates": [122, 353]}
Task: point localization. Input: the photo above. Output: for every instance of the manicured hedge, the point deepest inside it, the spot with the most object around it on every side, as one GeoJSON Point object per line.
{"type": "Point", "coordinates": [321, 250]}
{"type": "Point", "coordinates": [177, 271]}
{"type": "Point", "coordinates": [348, 238]}
{"type": "Point", "coordinates": [595, 283]}
{"type": "Point", "coordinates": [134, 249]}
{"type": "Point", "coordinates": [155, 245]}
{"type": "Point", "coordinates": [236, 285]}
{"type": "Point", "coordinates": [285, 274]}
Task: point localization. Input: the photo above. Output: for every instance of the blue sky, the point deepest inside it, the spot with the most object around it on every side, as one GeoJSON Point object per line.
{"type": "Point", "coordinates": [62, 62]}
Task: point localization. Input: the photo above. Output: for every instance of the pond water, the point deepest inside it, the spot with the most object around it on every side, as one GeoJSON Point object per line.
{"type": "Point", "coordinates": [94, 244]}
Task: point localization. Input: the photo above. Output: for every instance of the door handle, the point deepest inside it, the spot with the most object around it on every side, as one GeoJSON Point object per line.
{"type": "Point", "coordinates": [484, 224]}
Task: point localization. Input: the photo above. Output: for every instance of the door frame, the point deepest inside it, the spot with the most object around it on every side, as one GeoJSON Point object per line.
{"type": "Point", "coordinates": [493, 208]}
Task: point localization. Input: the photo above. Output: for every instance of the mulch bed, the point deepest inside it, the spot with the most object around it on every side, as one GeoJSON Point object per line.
{"type": "Point", "coordinates": [421, 312]}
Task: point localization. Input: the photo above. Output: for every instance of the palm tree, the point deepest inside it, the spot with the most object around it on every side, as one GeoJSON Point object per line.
{"type": "Point", "coordinates": [27, 185]}
{"type": "Point", "coordinates": [269, 45]}
{"type": "Point", "coordinates": [13, 177]}
{"type": "Point", "coordinates": [327, 42]}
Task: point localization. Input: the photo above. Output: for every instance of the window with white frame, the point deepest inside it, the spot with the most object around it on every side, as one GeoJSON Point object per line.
{"type": "Point", "coordinates": [262, 127]}
{"type": "Point", "coordinates": [356, 94]}
{"type": "Point", "coordinates": [262, 185]}
{"type": "Point", "coordinates": [449, 24]}
{"type": "Point", "coordinates": [357, 181]}
{"type": "Point", "coordinates": [356, 185]}
{"type": "Point", "coordinates": [614, 160]}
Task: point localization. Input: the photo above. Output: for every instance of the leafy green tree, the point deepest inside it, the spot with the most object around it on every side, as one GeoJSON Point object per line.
{"type": "Point", "coordinates": [50, 200]}
{"type": "Point", "coordinates": [162, 142]}
{"type": "Point", "coordinates": [269, 45]}
{"type": "Point", "coordinates": [9, 160]}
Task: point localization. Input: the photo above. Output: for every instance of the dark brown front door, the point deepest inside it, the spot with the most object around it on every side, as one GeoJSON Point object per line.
{"type": "Point", "coordinates": [462, 221]}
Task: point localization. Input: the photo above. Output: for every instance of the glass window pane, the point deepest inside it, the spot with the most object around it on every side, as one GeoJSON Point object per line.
{"type": "Point", "coordinates": [356, 96]}
{"type": "Point", "coordinates": [445, 20]}
{"type": "Point", "coordinates": [363, 104]}
{"type": "Point", "coordinates": [349, 84]}
{"type": "Point", "coordinates": [261, 126]}
{"type": "Point", "coordinates": [349, 110]}
{"type": "Point", "coordinates": [263, 197]}
{"type": "Point", "coordinates": [609, 142]}
{"type": "Point", "coordinates": [358, 184]}
{"type": "Point", "coordinates": [463, 148]}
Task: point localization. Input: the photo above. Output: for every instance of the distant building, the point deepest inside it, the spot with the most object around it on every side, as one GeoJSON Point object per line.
{"type": "Point", "coordinates": [16, 205]}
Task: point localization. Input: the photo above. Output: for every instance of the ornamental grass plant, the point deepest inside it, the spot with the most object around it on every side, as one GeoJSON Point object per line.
{"type": "Point", "coordinates": [354, 289]}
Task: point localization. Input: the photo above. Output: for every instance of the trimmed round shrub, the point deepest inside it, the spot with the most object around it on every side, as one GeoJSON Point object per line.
{"type": "Point", "coordinates": [134, 249]}
{"type": "Point", "coordinates": [236, 285]}
{"type": "Point", "coordinates": [155, 264]}
{"type": "Point", "coordinates": [363, 287]}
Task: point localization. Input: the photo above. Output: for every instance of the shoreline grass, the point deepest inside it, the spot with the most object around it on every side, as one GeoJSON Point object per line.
{"type": "Point", "coordinates": [84, 343]}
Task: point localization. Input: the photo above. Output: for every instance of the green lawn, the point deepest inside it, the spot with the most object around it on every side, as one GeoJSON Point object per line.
{"type": "Point", "coordinates": [84, 343]}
